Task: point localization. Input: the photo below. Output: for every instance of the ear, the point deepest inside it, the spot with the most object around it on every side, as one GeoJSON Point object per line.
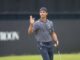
{"type": "Point", "coordinates": [46, 13]}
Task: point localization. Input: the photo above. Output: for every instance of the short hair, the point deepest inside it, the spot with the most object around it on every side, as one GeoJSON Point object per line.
{"type": "Point", "coordinates": [43, 9]}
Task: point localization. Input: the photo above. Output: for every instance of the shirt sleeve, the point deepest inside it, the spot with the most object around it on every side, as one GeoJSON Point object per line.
{"type": "Point", "coordinates": [35, 27]}
{"type": "Point", "coordinates": [52, 27]}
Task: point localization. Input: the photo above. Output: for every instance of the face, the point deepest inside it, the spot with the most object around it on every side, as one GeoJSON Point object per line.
{"type": "Point", "coordinates": [43, 14]}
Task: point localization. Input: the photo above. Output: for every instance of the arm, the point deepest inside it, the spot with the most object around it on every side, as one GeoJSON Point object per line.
{"type": "Point", "coordinates": [54, 35]}
{"type": "Point", "coordinates": [30, 29]}
{"type": "Point", "coordinates": [55, 39]}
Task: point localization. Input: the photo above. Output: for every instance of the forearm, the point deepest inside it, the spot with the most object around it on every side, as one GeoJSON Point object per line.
{"type": "Point", "coordinates": [54, 37]}
{"type": "Point", "coordinates": [30, 30]}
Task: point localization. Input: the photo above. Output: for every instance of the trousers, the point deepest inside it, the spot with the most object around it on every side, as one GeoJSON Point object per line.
{"type": "Point", "coordinates": [46, 49]}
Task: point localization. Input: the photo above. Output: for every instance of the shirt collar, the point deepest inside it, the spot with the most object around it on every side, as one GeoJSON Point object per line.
{"type": "Point", "coordinates": [42, 21]}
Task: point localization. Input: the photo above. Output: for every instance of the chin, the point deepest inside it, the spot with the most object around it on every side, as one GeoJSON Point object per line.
{"type": "Point", "coordinates": [42, 17]}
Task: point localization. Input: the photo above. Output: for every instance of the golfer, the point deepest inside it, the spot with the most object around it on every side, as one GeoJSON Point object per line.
{"type": "Point", "coordinates": [43, 30]}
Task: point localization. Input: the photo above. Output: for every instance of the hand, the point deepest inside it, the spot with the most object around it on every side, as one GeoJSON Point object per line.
{"type": "Point", "coordinates": [31, 20]}
{"type": "Point", "coordinates": [56, 44]}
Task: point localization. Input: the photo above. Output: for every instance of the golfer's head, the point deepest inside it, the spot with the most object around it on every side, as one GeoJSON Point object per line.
{"type": "Point", "coordinates": [43, 12]}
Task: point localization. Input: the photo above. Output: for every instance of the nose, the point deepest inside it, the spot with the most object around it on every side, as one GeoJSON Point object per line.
{"type": "Point", "coordinates": [42, 13]}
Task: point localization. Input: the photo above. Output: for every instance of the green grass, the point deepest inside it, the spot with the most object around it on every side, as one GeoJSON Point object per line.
{"type": "Point", "coordinates": [38, 57]}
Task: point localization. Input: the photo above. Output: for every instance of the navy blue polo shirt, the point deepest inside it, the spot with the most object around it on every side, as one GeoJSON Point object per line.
{"type": "Point", "coordinates": [42, 30]}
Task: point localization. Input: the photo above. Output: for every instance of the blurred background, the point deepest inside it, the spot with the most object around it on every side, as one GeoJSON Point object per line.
{"type": "Point", "coordinates": [14, 23]}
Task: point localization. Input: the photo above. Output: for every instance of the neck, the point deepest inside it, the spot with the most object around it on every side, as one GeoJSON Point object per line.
{"type": "Point", "coordinates": [43, 19]}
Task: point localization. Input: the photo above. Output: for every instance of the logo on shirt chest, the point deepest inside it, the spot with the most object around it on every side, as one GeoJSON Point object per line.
{"type": "Point", "coordinates": [49, 26]}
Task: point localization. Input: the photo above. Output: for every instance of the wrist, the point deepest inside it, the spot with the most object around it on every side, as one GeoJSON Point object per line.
{"type": "Point", "coordinates": [57, 42]}
{"type": "Point", "coordinates": [31, 24]}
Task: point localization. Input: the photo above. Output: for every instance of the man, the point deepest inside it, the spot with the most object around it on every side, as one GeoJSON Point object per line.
{"type": "Point", "coordinates": [44, 33]}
